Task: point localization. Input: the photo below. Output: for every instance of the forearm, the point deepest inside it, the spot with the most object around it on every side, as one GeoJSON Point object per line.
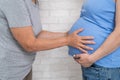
{"type": "Point", "coordinates": [49, 40]}
{"type": "Point", "coordinates": [72, 39]}
{"type": "Point", "coordinates": [110, 44]}
{"type": "Point", "coordinates": [51, 35]}
{"type": "Point", "coordinates": [113, 41]}
{"type": "Point", "coordinates": [46, 44]}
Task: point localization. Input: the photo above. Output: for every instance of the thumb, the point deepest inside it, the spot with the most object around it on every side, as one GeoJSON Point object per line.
{"type": "Point", "coordinates": [78, 31]}
{"type": "Point", "coordinates": [76, 56]}
{"type": "Point", "coordinates": [85, 53]}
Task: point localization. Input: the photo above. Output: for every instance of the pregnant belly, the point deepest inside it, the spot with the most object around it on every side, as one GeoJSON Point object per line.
{"type": "Point", "coordinates": [90, 29]}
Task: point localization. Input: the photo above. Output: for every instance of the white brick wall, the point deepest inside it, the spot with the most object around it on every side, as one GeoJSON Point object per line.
{"type": "Point", "coordinates": [57, 15]}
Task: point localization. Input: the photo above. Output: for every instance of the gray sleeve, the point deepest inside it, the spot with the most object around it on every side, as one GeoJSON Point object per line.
{"type": "Point", "coordinates": [16, 13]}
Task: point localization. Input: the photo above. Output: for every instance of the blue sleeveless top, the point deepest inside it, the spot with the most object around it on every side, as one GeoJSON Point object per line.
{"type": "Point", "coordinates": [98, 20]}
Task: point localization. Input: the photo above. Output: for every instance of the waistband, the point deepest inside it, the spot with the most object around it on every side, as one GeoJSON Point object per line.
{"type": "Point", "coordinates": [98, 66]}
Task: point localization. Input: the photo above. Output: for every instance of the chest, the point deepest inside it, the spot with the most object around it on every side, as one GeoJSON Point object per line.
{"type": "Point", "coordinates": [99, 6]}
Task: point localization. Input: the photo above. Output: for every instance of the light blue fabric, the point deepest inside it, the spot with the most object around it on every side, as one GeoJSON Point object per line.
{"type": "Point", "coordinates": [98, 20]}
{"type": "Point", "coordinates": [15, 62]}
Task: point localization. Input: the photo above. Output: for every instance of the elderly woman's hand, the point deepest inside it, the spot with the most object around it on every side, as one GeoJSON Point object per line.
{"type": "Point", "coordinates": [79, 42]}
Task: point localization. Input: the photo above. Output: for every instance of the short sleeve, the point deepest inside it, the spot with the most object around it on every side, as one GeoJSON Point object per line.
{"type": "Point", "coordinates": [16, 13]}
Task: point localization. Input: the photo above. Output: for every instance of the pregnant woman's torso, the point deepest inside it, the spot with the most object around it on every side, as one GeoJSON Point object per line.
{"type": "Point", "coordinates": [98, 20]}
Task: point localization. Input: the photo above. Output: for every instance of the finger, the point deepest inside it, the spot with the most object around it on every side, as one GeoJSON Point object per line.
{"type": "Point", "coordinates": [80, 62]}
{"type": "Point", "coordinates": [86, 47]}
{"type": "Point", "coordinates": [87, 37]}
{"type": "Point", "coordinates": [76, 57]}
{"type": "Point", "coordinates": [78, 31]}
{"type": "Point", "coordinates": [84, 51]}
{"type": "Point", "coordinates": [77, 60]}
{"type": "Point", "coordinates": [88, 42]}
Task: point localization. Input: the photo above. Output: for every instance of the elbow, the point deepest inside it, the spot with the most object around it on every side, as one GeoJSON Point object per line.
{"type": "Point", "coordinates": [29, 47]}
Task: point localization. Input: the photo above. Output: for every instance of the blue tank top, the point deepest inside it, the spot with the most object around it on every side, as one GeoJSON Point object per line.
{"type": "Point", "coordinates": [98, 20]}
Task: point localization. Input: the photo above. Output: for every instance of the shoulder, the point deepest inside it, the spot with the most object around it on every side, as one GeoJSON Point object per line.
{"type": "Point", "coordinates": [6, 5]}
{"type": "Point", "coordinates": [10, 3]}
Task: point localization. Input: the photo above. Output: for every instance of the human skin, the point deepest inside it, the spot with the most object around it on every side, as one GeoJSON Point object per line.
{"type": "Point", "coordinates": [105, 49]}
{"type": "Point", "coordinates": [48, 40]}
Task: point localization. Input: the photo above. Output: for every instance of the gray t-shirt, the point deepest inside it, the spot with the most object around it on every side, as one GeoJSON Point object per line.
{"type": "Point", "coordinates": [15, 62]}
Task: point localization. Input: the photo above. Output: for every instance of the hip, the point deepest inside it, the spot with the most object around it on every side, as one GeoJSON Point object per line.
{"type": "Point", "coordinates": [96, 72]}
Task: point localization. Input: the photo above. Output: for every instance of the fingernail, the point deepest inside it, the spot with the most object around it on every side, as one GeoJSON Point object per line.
{"type": "Point", "coordinates": [82, 28]}
{"type": "Point", "coordinates": [92, 37]}
{"type": "Point", "coordinates": [73, 55]}
{"type": "Point", "coordinates": [92, 49]}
